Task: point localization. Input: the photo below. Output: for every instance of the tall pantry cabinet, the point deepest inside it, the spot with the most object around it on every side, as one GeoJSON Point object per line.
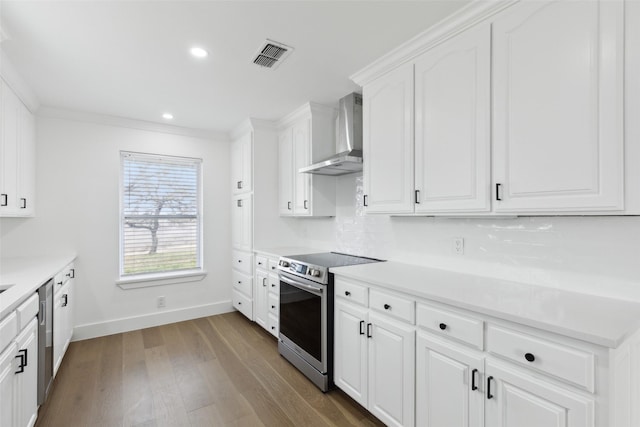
{"type": "Point", "coordinates": [254, 180]}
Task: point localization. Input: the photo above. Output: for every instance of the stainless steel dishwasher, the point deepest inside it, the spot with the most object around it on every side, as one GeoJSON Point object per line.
{"type": "Point", "coordinates": [45, 340]}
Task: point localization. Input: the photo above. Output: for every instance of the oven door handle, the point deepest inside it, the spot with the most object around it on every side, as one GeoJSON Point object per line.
{"type": "Point", "coordinates": [308, 288]}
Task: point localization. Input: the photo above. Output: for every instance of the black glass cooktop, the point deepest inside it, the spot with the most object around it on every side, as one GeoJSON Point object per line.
{"type": "Point", "coordinates": [332, 259]}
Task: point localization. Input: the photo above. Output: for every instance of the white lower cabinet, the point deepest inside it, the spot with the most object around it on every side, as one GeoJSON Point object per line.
{"type": "Point", "coordinates": [374, 359]}
{"type": "Point", "coordinates": [516, 398]}
{"type": "Point", "coordinates": [267, 293]}
{"type": "Point", "coordinates": [449, 390]}
{"type": "Point", "coordinates": [63, 301]}
{"type": "Point", "coordinates": [261, 293]}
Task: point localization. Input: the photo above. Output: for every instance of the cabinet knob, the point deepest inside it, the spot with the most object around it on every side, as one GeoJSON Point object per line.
{"type": "Point", "coordinates": [443, 326]}
{"type": "Point", "coordinates": [239, 302]}
{"type": "Point", "coordinates": [273, 328]}
{"type": "Point", "coordinates": [530, 357]}
{"type": "Point", "coordinates": [387, 306]}
{"type": "Point", "coordinates": [347, 293]}
{"type": "Point", "coordinates": [273, 306]}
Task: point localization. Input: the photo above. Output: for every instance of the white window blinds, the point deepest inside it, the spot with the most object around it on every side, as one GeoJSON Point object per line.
{"type": "Point", "coordinates": [160, 214]}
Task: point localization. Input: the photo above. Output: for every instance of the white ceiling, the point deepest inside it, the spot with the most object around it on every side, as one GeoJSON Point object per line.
{"type": "Point", "coordinates": [130, 58]}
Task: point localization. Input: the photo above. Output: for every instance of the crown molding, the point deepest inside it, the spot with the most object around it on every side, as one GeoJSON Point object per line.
{"type": "Point", "coordinates": [468, 16]}
{"type": "Point", "coordinates": [307, 110]}
{"type": "Point", "coordinates": [251, 124]}
{"type": "Point", "coordinates": [13, 79]}
{"type": "Point", "coordinates": [103, 119]}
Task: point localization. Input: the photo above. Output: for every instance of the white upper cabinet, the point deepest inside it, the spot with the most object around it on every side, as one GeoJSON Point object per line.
{"type": "Point", "coordinates": [17, 155]}
{"type": "Point", "coordinates": [242, 222]}
{"type": "Point", "coordinates": [558, 107]}
{"type": "Point", "coordinates": [388, 142]}
{"type": "Point", "coordinates": [519, 110]}
{"type": "Point", "coordinates": [452, 135]}
{"type": "Point", "coordinates": [241, 164]}
{"type": "Point", "coordinates": [306, 136]}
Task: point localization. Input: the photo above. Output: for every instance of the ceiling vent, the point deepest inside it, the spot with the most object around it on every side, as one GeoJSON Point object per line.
{"type": "Point", "coordinates": [271, 54]}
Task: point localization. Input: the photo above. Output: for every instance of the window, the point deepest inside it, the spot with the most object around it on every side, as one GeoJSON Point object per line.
{"type": "Point", "coordinates": [160, 215]}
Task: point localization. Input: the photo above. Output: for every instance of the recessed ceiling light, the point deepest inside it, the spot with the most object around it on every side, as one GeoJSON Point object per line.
{"type": "Point", "coordinates": [198, 52]}
{"type": "Point", "coordinates": [167, 116]}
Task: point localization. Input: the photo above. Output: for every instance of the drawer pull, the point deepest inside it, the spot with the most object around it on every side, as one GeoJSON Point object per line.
{"type": "Point", "coordinates": [473, 379]}
{"type": "Point", "coordinates": [530, 357]}
{"type": "Point", "coordinates": [442, 326]}
{"type": "Point", "coordinates": [489, 395]}
{"type": "Point", "coordinates": [273, 286]}
{"type": "Point", "coordinates": [362, 327]}
{"type": "Point", "coordinates": [273, 306]}
{"type": "Point", "coordinates": [259, 263]}
{"type": "Point", "coordinates": [387, 306]}
{"type": "Point", "coordinates": [347, 293]}
{"type": "Point", "coordinates": [273, 328]}
{"type": "Point", "coordinates": [369, 330]}
{"type": "Point", "coordinates": [239, 302]}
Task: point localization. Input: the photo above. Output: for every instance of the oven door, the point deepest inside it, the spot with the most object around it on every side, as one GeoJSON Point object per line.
{"type": "Point", "coordinates": [303, 319]}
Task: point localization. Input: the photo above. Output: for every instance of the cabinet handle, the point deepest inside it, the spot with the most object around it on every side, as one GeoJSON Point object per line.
{"type": "Point", "coordinates": [473, 380]}
{"type": "Point", "coordinates": [66, 300]}
{"type": "Point", "coordinates": [273, 286]}
{"type": "Point", "coordinates": [42, 314]}
{"type": "Point", "coordinates": [530, 357]}
{"type": "Point", "coordinates": [362, 327]}
{"type": "Point", "coordinates": [264, 280]}
{"type": "Point", "coordinates": [347, 293]}
{"type": "Point", "coordinates": [369, 335]}
{"type": "Point", "coordinates": [442, 326]}
{"type": "Point", "coordinates": [239, 185]}
{"type": "Point", "coordinates": [239, 203]}
{"type": "Point", "coordinates": [305, 204]}
{"type": "Point", "coordinates": [498, 198]}
{"type": "Point", "coordinates": [60, 283]}
{"type": "Point", "coordinates": [417, 197]}
{"type": "Point", "coordinates": [5, 200]}
{"type": "Point", "coordinates": [489, 395]}
{"type": "Point", "coordinates": [387, 306]}
{"type": "Point", "coordinates": [288, 205]}
{"type": "Point", "coordinates": [23, 360]}
{"type": "Point", "coordinates": [24, 203]}
{"type": "Point", "coordinates": [364, 200]}
{"type": "Point", "coordinates": [73, 273]}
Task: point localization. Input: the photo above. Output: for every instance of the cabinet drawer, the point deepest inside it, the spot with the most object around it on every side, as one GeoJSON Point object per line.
{"type": "Point", "coordinates": [27, 311]}
{"type": "Point", "coordinates": [393, 305]}
{"type": "Point", "coordinates": [261, 262]}
{"type": "Point", "coordinates": [242, 282]}
{"type": "Point", "coordinates": [243, 304]}
{"type": "Point", "coordinates": [274, 304]}
{"type": "Point", "coordinates": [273, 265]}
{"type": "Point", "coordinates": [272, 324]}
{"type": "Point", "coordinates": [352, 291]}
{"type": "Point", "coordinates": [274, 284]}
{"type": "Point", "coordinates": [242, 262]}
{"type": "Point", "coordinates": [442, 321]}
{"type": "Point", "coordinates": [571, 364]}
{"type": "Point", "coordinates": [8, 329]}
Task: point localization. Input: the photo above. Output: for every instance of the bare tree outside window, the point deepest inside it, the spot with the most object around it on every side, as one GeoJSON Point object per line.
{"type": "Point", "coordinates": [160, 214]}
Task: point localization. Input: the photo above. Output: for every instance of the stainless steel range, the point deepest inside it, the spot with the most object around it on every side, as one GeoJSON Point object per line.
{"type": "Point", "coordinates": [306, 312]}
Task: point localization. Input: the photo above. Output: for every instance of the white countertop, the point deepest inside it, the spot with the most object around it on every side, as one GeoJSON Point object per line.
{"type": "Point", "coordinates": [598, 320]}
{"type": "Point", "coordinates": [27, 274]}
{"type": "Point", "coordinates": [287, 250]}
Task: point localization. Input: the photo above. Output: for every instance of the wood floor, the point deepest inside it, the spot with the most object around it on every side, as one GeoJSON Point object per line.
{"type": "Point", "coordinates": [215, 371]}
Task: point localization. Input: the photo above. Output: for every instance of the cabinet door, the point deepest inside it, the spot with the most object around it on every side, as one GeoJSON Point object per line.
{"type": "Point", "coordinates": [449, 378]}
{"type": "Point", "coordinates": [558, 105]}
{"type": "Point", "coordinates": [518, 399]}
{"type": "Point", "coordinates": [261, 302]}
{"type": "Point", "coordinates": [7, 385]}
{"type": "Point", "coordinates": [302, 157]}
{"type": "Point", "coordinates": [241, 164]}
{"type": "Point", "coordinates": [388, 142]}
{"type": "Point", "coordinates": [61, 325]}
{"type": "Point", "coordinates": [242, 222]}
{"type": "Point", "coordinates": [10, 129]}
{"type": "Point", "coordinates": [350, 353]}
{"type": "Point", "coordinates": [26, 408]}
{"type": "Point", "coordinates": [453, 83]}
{"type": "Point", "coordinates": [285, 169]}
{"type": "Point", "coordinates": [26, 162]}
{"type": "Point", "coordinates": [391, 371]}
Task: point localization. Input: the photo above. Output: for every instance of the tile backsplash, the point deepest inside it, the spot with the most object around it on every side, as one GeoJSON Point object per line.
{"type": "Point", "coordinates": [593, 254]}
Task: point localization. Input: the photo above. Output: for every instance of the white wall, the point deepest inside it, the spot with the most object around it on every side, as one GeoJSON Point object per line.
{"type": "Point", "coordinates": [598, 255]}
{"type": "Point", "coordinates": [77, 211]}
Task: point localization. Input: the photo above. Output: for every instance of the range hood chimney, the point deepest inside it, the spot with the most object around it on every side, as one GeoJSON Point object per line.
{"type": "Point", "coordinates": [349, 143]}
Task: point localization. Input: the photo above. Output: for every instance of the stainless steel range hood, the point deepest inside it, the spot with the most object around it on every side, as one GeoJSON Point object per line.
{"type": "Point", "coordinates": [349, 142]}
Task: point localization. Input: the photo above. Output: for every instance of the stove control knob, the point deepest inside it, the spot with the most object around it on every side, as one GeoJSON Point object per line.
{"type": "Point", "coordinates": [284, 264]}
{"type": "Point", "coordinates": [314, 273]}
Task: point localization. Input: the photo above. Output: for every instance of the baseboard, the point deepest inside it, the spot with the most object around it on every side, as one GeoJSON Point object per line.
{"type": "Point", "coordinates": [110, 327]}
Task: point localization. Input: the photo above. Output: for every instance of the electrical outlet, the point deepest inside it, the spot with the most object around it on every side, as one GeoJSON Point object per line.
{"type": "Point", "coordinates": [458, 245]}
{"type": "Point", "coordinates": [162, 302]}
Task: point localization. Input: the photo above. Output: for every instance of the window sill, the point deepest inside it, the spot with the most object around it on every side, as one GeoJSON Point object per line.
{"type": "Point", "coordinates": [160, 279]}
